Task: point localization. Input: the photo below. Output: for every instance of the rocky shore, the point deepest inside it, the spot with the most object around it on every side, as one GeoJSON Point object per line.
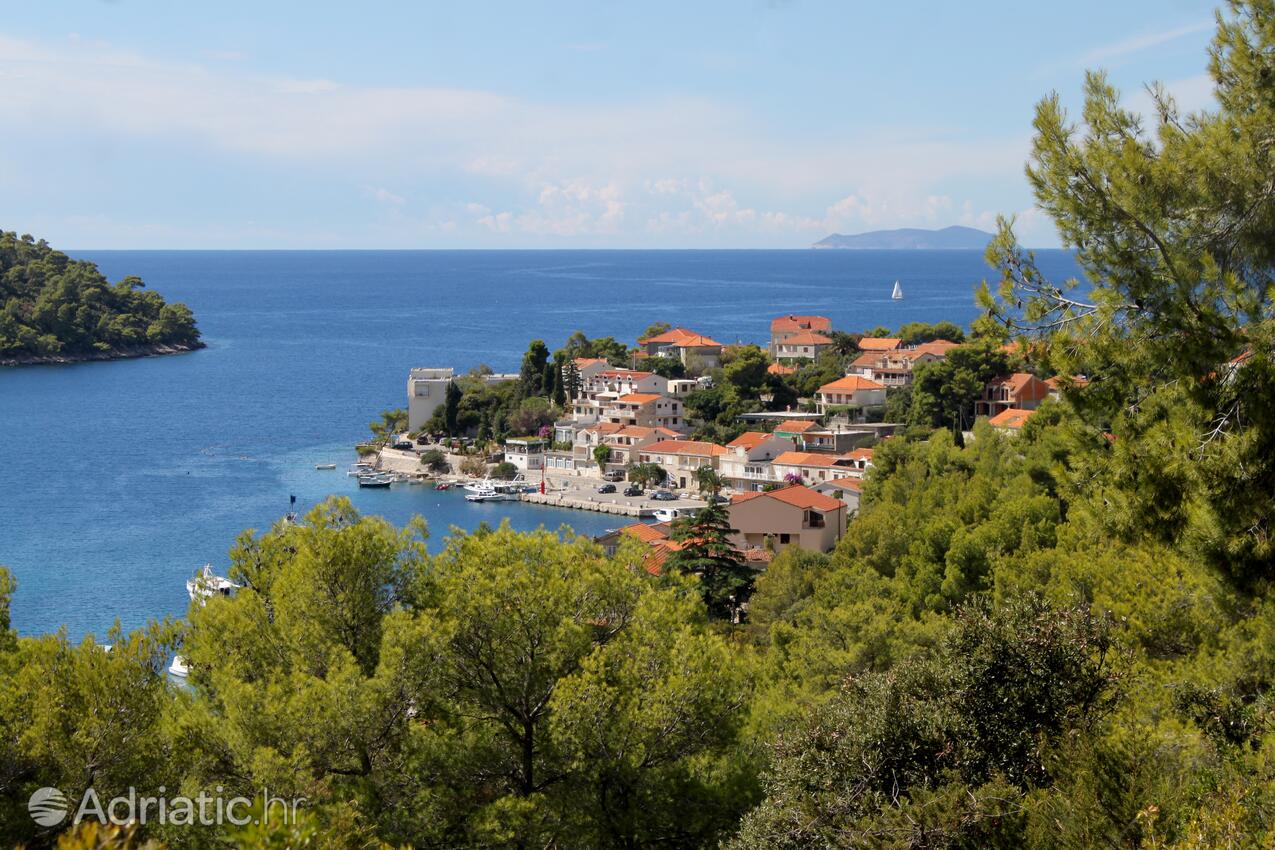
{"type": "Point", "coordinates": [95, 356]}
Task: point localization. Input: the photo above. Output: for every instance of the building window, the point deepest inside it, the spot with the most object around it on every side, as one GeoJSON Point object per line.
{"type": "Point", "coordinates": [784, 539]}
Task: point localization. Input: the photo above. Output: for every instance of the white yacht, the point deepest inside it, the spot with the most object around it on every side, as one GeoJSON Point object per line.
{"type": "Point", "coordinates": [496, 491]}
{"type": "Point", "coordinates": [670, 514]}
{"type": "Point", "coordinates": [206, 584]}
{"type": "Point", "coordinates": [179, 668]}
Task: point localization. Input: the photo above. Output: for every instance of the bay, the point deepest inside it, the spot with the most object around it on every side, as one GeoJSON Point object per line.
{"type": "Point", "coordinates": [119, 479]}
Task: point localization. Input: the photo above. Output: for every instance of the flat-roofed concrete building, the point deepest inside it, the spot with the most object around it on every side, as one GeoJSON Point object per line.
{"type": "Point", "coordinates": [426, 392]}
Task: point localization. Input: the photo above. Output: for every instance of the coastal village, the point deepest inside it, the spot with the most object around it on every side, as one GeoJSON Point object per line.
{"type": "Point", "coordinates": [626, 439]}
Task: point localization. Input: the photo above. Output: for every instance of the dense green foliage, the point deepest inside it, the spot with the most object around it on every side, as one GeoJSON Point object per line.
{"type": "Point", "coordinates": [53, 306]}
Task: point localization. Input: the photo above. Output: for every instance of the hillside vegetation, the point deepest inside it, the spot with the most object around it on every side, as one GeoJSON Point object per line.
{"type": "Point", "coordinates": [55, 308]}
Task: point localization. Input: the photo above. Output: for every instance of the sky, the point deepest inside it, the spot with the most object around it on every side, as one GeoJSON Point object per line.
{"type": "Point", "coordinates": [741, 124]}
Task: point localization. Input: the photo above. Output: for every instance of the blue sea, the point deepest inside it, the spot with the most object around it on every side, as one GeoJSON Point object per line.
{"type": "Point", "coordinates": [118, 480]}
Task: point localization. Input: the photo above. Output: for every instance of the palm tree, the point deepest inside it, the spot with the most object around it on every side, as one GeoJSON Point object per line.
{"type": "Point", "coordinates": [710, 483]}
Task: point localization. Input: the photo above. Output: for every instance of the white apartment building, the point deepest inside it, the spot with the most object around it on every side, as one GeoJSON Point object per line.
{"type": "Point", "coordinates": [426, 392]}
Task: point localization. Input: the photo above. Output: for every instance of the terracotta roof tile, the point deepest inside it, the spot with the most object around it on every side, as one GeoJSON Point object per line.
{"type": "Point", "coordinates": [797, 495]}
{"type": "Point", "coordinates": [800, 323]}
{"type": "Point", "coordinates": [797, 426]}
{"type": "Point", "coordinates": [878, 343]}
{"type": "Point", "coordinates": [639, 398]}
{"type": "Point", "coordinates": [806, 338]}
{"type": "Point", "coordinates": [1013, 418]}
{"type": "Point", "coordinates": [687, 447]}
{"type": "Point", "coordinates": [804, 459]}
{"type": "Point", "coordinates": [850, 384]}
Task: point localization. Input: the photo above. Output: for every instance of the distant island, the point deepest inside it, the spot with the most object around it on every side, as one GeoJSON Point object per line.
{"type": "Point", "coordinates": [54, 309]}
{"type": "Point", "coordinates": [910, 239]}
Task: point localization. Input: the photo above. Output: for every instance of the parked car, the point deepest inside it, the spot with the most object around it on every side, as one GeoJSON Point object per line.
{"type": "Point", "coordinates": [403, 445]}
{"type": "Point", "coordinates": [664, 496]}
{"type": "Point", "coordinates": [617, 475]}
{"type": "Point", "coordinates": [633, 490]}
{"type": "Point", "coordinates": [717, 499]}
{"type": "Point", "coordinates": [607, 488]}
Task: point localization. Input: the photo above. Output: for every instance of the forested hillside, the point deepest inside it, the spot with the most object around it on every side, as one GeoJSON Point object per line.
{"type": "Point", "coordinates": [1061, 638]}
{"type": "Point", "coordinates": [56, 308]}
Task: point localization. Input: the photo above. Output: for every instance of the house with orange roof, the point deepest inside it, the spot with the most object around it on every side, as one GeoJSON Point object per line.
{"type": "Point", "coordinates": [681, 458]}
{"type": "Point", "coordinates": [1011, 420]}
{"type": "Point", "coordinates": [693, 349]}
{"type": "Point", "coordinates": [790, 516]}
{"type": "Point", "coordinates": [607, 385]}
{"type": "Point", "coordinates": [784, 327]}
{"type": "Point", "coordinates": [853, 391]}
{"type": "Point", "coordinates": [589, 438]}
{"type": "Point", "coordinates": [810, 467]}
{"type": "Point", "coordinates": [879, 343]}
{"type": "Point", "coordinates": [894, 368]}
{"type": "Point", "coordinates": [812, 437]}
{"type": "Point", "coordinates": [587, 367]}
{"type": "Point", "coordinates": [746, 464]}
{"type": "Point", "coordinates": [649, 410]}
{"type": "Point", "coordinates": [1021, 390]}
{"type": "Point", "coordinates": [803, 345]}
{"type": "Point", "coordinates": [858, 460]}
{"type": "Point", "coordinates": [643, 532]}
{"type": "Point", "coordinates": [795, 428]}
{"type": "Point", "coordinates": [627, 443]}
{"type": "Point", "coordinates": [780, 369]}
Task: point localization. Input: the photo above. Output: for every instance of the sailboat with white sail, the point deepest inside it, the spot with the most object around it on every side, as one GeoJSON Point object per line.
{"type": "Point", "coordinates": [897, 295]}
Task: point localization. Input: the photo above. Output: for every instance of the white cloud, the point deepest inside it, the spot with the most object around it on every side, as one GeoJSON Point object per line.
{"type": "Point", "coordinates": [680, 165]}
{"type": "Point", "coordinates": [1138, 43]}
{"type": "Point", "coordinates": [385, 196]}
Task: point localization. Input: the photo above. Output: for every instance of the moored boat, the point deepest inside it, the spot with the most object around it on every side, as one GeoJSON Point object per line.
{"type": "Point", "coordinates": [206, 584]}
{"type": "Point", "coordinates": [179, 667]}
{"type": "Point", "coordinates": [375, 480]}
{"type": "Point", "coordinates": [325, 466]}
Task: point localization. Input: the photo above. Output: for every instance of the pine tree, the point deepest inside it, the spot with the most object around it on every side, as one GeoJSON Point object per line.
{"type": "Point", "coordinates": [706, 552]}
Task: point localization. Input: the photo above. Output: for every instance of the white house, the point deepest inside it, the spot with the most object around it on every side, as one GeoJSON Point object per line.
{"type": "Point", "coordinates": [426, 392]}
{"type": "Point", "coordinates": [852, 391]}
{"type": "Point", "coordinates": [746, 465]}
{"type": "Point", "coordinates": [526, 453]}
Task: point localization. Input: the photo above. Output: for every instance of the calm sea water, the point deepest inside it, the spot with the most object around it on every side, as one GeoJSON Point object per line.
{"type": "Point", "coordinates": [117, 480]}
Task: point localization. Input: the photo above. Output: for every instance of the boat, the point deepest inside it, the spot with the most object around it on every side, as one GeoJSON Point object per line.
{"type": "Point", "coordinates": [501, 491]}
{"type": "Point", "coordinates": [378, 480]}
{"type": "Point", "coordinates": [897, 295]}
{"type": "Point", "coordinates": [442, 485]}
{"type": "Point", "coordinates": [206, 584]}
{"type": "Point", "coordinates": [670, 514]}
{"type": "Point", "coordinates": [325, 466]}
{"type": "Point", "coordinates": [179, 667]}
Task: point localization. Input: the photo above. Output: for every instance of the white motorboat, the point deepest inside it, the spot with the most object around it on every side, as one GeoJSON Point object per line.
{"type": "Point", "coordinates": [206, 584]}
{"type": "Point", "coordinates": [897, 295]}
{"type": "Point", "coordinates": [670, 514]}
{"type": "Point", "coordinates": [380, 480]}
{"type": "Point", "coordinates": [179, 668]}
{"type": "Point", "coordinates": [501, 491]}
{"type": "Point", "coordinates": [325, 466]}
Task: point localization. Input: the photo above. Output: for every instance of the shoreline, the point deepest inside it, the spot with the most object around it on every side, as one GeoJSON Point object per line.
{"type": "Point", "coordinates": [134, 353]}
